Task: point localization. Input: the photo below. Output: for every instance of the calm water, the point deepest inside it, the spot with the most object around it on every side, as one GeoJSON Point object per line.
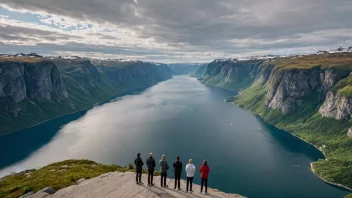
{"type": "Point", "coordinates": [177, 117]}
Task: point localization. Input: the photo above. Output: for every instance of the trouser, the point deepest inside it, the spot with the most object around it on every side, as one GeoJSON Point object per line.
{"type": "Point", "coordinates": [177, 180]}
{"type": "Point", "coordinates": [205, 183]}
{"type": "Point", "coordinates": [150, 176]}
{"type": "Point", "coordinates": [163, 179]}
{"type": "Point", "coordinates": [189, 183]}
{"type": "Point", "coordinates": [138, 176]}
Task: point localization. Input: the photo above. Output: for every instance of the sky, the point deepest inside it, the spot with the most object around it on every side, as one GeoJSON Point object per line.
{"type": "Point", "coordinates": [173, 30]}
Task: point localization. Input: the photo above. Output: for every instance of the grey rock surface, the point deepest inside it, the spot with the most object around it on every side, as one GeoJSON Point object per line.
{"type": "Point", "coordinates": [118, 184]}
{"type": "Point", "coordinates": [336, 106]}
{"type": "Point", "coordinates": [80, 181]}
{"type": "Point", "coordinates": [349, 133]}
{"type": "Point", "coordinates": [27, 195]}
{"type": "Point", "coordinates": [290, 88]}
{"type": "Point", "coordinates": [36, 81]}
{"type": "Point", "coordinates": [48, 190]}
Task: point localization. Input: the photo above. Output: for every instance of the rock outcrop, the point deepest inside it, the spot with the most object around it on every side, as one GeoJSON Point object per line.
{"type": "Point", "coordinates": [118, 184]}
{"type": "Point", "coordinates": [35, 81]}
{"type": "Point", "coordinates": [349, 133]}
{"type": "Point", "coordinates": [336, 106]}
{"type": "Point", "coordinates": [288, 88]}
{"type": "Point", "coordinates": [291, 88]}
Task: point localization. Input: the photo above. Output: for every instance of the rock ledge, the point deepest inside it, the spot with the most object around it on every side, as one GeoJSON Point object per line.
{"type": "Point", "coordinates": [119, 184]}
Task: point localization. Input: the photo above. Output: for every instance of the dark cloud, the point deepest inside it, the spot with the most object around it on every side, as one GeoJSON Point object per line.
{"type": "Point", "coordinates": [230, 26]}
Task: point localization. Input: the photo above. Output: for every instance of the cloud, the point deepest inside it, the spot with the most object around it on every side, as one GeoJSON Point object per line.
{"type": "Point", "coordinates": [197, 30]}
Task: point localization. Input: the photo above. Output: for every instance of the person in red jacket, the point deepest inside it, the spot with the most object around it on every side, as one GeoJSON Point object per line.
{"type": "Point", "coordinates": [204, 171]}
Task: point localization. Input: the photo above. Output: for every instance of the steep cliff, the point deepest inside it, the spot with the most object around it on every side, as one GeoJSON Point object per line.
{"type": "Point", "coordinates": [35, 89]}
{"type": "Point", "coordinates": [84, 83]}
{"type": "Point", "coordinates": [309, 96]}
{"type": "Point", "coordinates": [231, 74]}
{"type": "Point", "coordinates": [199, 72]}
{"type": "Point", "coordinates": [291, 88]}
{"type": "Point", "coordinates": [30, 91]}
{"type": "Point", "coordinates": [338, 102]}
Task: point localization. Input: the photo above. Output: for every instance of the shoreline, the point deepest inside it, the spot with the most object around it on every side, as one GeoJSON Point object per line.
{"type": "Point", "coordinates": [331, 183]}
{"type": "Point", "coordinates": [81, 110]}
{"type": "Point", "coordinates": [311, 164]}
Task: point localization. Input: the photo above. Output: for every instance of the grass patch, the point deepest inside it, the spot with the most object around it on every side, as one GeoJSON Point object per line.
{"type": "Point", "coordinates": [57, 175]}
{"type": "Point", "coordinates": [344, 87]}
{"type": "Point", "coordinates": [336, 60]}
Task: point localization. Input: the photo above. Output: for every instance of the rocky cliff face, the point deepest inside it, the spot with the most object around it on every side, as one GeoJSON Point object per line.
{"type": "Point", "coordinates": [336, 106]}
{"type": "Point", "coordinates": [231, 74]}
{"type": "Point", "coordinates": [35, 81]}
{"type": "Point", "coordinates": [34, 89]}
{"type": "Point", "coordinates": [291, 88]}
{"type": "Point", "coordinates": [288, 88]}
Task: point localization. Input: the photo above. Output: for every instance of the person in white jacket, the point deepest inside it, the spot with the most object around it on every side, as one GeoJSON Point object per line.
{"type": "Point", "coordinates": [190, 170]}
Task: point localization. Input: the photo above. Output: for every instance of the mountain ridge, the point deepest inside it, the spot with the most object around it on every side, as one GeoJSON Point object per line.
{"type": "Point", "coordinates": [308, 96]}
{"type": "Point", "coordinates": [34, 89]}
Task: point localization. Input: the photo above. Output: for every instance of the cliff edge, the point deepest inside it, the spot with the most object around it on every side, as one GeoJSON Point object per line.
{"type": "Point", "coordinates": [122, 184]}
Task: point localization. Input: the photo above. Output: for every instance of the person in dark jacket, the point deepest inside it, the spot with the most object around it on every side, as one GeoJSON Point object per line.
{"type": "Point", "coordinates": [177, 170]}
{"type": "Point", "coordinates": [138, 162]}
{"type": "Point", "coordinates": [204, 171]}
{"type": "Point", "coordinates": [151, 165]}
{"type": "Point", "coordinates": [163, 171]}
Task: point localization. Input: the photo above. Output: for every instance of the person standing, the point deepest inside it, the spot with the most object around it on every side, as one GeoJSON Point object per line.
{"type": "Point", "coordinates": [178, 170]}
{"type": "Point", "coordinates": [151, 166]}
{"type": "Point", "coordinates": [190, 170]}
{"type": "Point", "coordinates": [138, 162]}
{"type": "Point", "coordinates": [163, 170]}
{"type": "Point", "coordinates": [204, 171]}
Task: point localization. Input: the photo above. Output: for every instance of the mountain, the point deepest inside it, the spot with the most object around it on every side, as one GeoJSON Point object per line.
{"type": "Point", "coordinates": [230, 74]}
{"type": "Point", "coordinates": [185, 68]}
{"type": "Point", "coordinates": [309, 96]}
{"type": "Point", "coordinates": [199, 72]}
{"type": "Point", "coordinates": [35, 88]}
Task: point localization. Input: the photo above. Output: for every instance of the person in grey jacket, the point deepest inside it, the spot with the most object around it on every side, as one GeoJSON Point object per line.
{"type": "Point", "coordinates": [151, 165]}
{"type": "Point", "coordinates": [163, 170]}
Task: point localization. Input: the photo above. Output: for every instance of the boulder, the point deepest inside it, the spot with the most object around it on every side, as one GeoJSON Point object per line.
{"type": "Point", "coordinates": [349, 133]}
{"type": "Point", "coordinates": [80, 180]}
{"type": "Point", "coordinates": [48, 190]}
